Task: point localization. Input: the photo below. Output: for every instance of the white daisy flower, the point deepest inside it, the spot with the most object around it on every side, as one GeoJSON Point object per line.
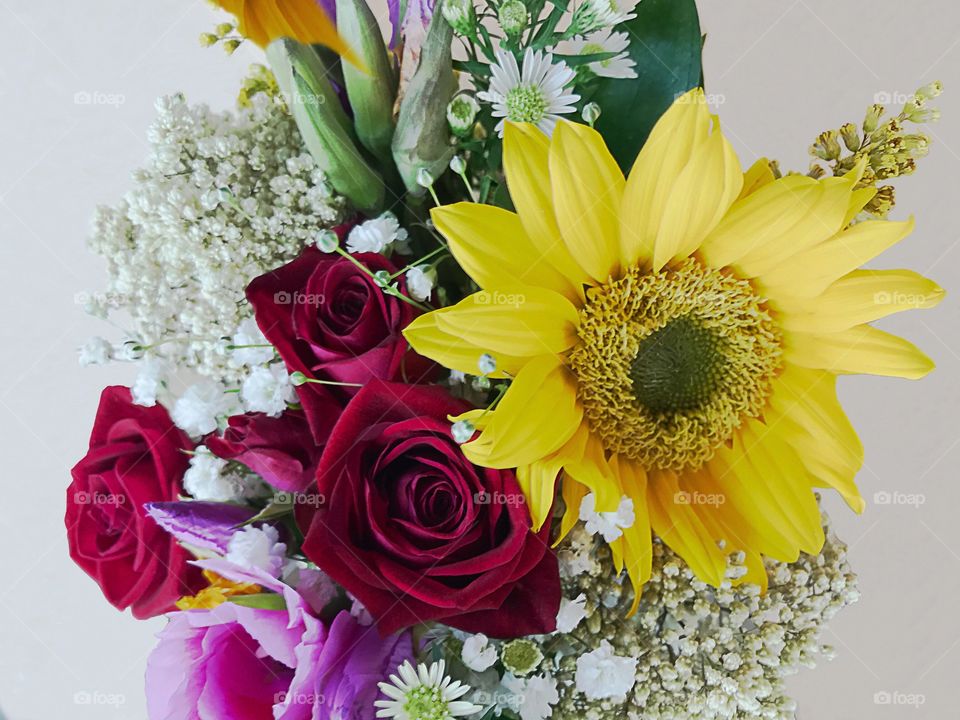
{"type": "Point", "coordinates": [605, 41]}
{"type": "Point", "coordinates": [536, 94]}
{"type": "Point", "coordinates": [595, 14]}
{"type": "Point", "coordinates": [427, 692]}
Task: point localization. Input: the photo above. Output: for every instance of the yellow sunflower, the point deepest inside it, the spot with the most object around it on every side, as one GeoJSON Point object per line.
{"type": "Point", "coordinates": [673, 337]}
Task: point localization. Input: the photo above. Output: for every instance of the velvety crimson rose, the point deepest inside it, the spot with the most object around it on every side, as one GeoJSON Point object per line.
{"type": "Point", "coordinates": [329, 320]}
{"type": "Point", "coordinates": [281, 450]}
{"type": "Point", "coordinates": [416, 532]}
{"type": "Point", "coordinates": [136, 456]}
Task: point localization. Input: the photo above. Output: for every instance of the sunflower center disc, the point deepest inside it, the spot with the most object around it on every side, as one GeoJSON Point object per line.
{"type": "Point", "coordinates": [670, 363]}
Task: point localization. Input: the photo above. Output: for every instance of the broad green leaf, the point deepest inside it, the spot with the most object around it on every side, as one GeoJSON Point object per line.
{"type": "Point", "coordinates": [665, 44]}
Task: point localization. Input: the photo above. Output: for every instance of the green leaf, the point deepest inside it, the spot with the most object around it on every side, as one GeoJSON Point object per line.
{"type": "Point", "coordinates": [261, 601]}
{"type": "Point", "coordinates": [665, 44]}
{"type": "Point", "coordinates": [473, 67]}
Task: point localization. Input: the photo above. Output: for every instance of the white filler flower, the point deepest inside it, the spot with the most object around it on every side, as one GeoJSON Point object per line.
{"type": "Point", "coordinates": [536, 94]}
{"type": "Point", "coordinates": [534, 697]}
{"type": "Point", "coordinates": [197, 410]}
{"type": "Point", "coordinates": [609, 524]}
{"type": "Point", "coordinates": [420, 282]}
{"type": "Point", "coordinates": [619, 66]}
{"type": "Point", "coordinates": [268, 390]}
{"type": "Point", "coordinates": [424, 693]}
{"type": "Point", "coordinates": [601, 674]}
{"type": "Point", "coordinates": [478, 654]}
{"type": "Point", "coordinates": [257, 547]}
{"type": "Point", "coordinates": [572, 613]}
{"type": "Point", "coordinates": [375, 235]}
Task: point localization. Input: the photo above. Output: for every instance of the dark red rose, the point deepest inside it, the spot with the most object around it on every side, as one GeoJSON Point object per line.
{"type": "Point", "coordinates": [135, 457]}
{"type": "Point", "coordinates": [328, 319]}
{"type": "Point", "coordinates": [281, 450]}
{"type": "Point", "coordinates": [416, 532]}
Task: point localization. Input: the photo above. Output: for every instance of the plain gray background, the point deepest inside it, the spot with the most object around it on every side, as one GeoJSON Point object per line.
{"type": "Point", "coordinates": [780, 70]}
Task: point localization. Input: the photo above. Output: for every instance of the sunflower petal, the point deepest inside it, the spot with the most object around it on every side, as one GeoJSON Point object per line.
{"type": "Point", "coordinates": [863, 296]}
{"type": "Point", "coordinates": [536, 416]}
{"type": "Point", "coordinates": [679, 526]}
{"type": "Point", "coordinates": [810, 272]}
{"type": "Point", "coordinates": [805, 401]}
{"type": "Point", "coordinates": [861, 349]}
{"type": "Point", "coordinates": [649, 188]}
{"type": "Point", "coordinates": [587, 187]}
{"type": "Point", "coordinates": [493, 248]}
{"type": "Point", "coordinates": [757, 176]}
{"type": "Point", "coordinates": [701, 196]}
{"type": "Point", "coordinates": [452, 351]}
{"type": "Point", "coordinates": [526, 162]}
{"type": "Point", "coordinates": [637, 540]}
{"type": "Point", "coordinates": [539, 482]}
{"type": "Point", "coordinates": [535, 321]}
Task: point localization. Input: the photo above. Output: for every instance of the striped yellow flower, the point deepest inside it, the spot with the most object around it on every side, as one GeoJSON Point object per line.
{"type": "Point", "coordinates": [674, 337]}
{"type": "Point", "coordinates": [263, 21]}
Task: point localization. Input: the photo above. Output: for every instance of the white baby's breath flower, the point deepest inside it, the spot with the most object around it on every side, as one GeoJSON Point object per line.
{"type": "Point", "coordinates": [375, 235]}
{"type": "Point", "coordinates": [259, 548]}
{"type": "Point", "coordinates": [251, 347]}
{"type": "Point", "coordinates": [532, 697]}
{"type": "Point", "coordinates": [420, 282]}
{"type": "Point", "coordinates": [207, 478]}
{"type": "Point", "coordinates": [572, 613]}
{"type": "Point", "coordinates": [601, 674]}
{"type": "Point", "coordinates": [95, 351]}
{"type": "Point", "coordinates": [268, 390]}
{"type": "Point", "coordinates": [536, 94]}
{"type": "Point", "coordinates": [150, 379]}
{"type": "Point", "coordinates": [609, 524]}
{"type": "Point", "coordinates": [620, 65]}
{"type": "Point", "coordinates": [477, 653]}
{"type": "Point", "coordinates": [199, 408]}
{"type": "Point", "coordinates": [424, 692]}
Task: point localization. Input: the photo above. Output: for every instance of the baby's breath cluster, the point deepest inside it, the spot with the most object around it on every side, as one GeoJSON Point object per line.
{"type": "Point", "coordinates": [690, 651]}
{"type": "Point", "coordinates": [889, 148]}
{"type": "Point", "coordinates": [223, 198]}
{"type": "Point", "coordinates": [700, 651]}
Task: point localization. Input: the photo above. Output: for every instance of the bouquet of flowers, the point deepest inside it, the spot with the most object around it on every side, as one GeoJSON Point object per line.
{"type": "Point", "coordinates": [478, 378]}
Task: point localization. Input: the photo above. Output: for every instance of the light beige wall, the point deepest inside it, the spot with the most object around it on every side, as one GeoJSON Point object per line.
{"type": "Point", "coordinates": [784, 69]}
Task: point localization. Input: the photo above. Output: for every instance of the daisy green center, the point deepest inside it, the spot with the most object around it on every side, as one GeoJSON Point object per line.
{"type": "Point", "coordinates": [594, 49]}
{"type": "Point", "coordinates": [426, 703]}
{"type": "Point", "coordinates": [670, 363]}
{"type": "Point", "coordinates": [525, 103]}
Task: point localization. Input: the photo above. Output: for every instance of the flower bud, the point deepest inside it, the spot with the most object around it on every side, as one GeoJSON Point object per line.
{"type": "Point", "coordinates": [462, 431]}
{"type": "Point", "coordinates": [208, 39]}
{"type": "Point", "coordinates": [870, 122]}
{"type": "Point", "coordinates": [327, 241]}
{"type": "Point", "coordinates": [512, 16]}
{"type": "Point", "coordinates": [590, 113]}
{"type": "Point", "coordinates": [458, 164]}
{"type": "Point", "coordinates": [826, 146]}
{"type": "Point", "coordinates": [460, 15]}
{"type": "Point", "coordinates": [462, 113]}
{"type": "Point", "coordinates": [325, 127]}
{"type": "Point", "coordinates": [421, 140]}
{"type": "Point", "coordinates": [851, 137]}
{"type": "Point", "coordinates": [372, 93]}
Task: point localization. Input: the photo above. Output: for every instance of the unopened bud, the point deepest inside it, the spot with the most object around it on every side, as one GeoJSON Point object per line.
{"type": "Point", "coordinates": [872, 120]}
{"type": "Point", "coordinates": [327, 241]}
{"type": "Point", "coordinates": [462, 114]}
{"type": "Point", "coordinates": [424, 178]}
{"type": "Point", "coordinates": [851, 137]}
{"type": "Point", "coordinates": [512, 16]}
{"type": "Point", "coordinates": [487, 364]}
{"type": "Point", "coordinates": [462, 431]}
{"type": "Point", "coordinates": [590, 113]}
{"type": "Point", "coordinates": [458, 164]}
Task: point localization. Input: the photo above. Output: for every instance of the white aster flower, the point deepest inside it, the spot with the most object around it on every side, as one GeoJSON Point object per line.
{"type": "Point", "coordinates": [620, 65]}
{"type": "Point", "coordinates": [268, 390]}
{"type": "Point", "coordinates": [538, 94]}
{"type": "Point", "coordinates": [150, 379]}
{"type": "Point", "coordinates": [477, 653]}
{"type": "Point", "coordinates": [206, 478]}
{"type": "Point", "coordinates": [572, 613]}
{"type": "Point", "coordinates": [601, 674]}
{"type": "Point", "coordinates": [375, 235]}
{"type": "Point", "coordinates": [427, 692]}
{"type": "Point", "coordinates": [252, 348]}
{"type": "Point", "coordinates": [609, 524]}
{"type": "Point", "coordinates": [95, 351]}
{"type": "Point", "coordinates": [420, 282]}
{"type": "Point", "coordinates": [197, 410]}
{"type": "Point", "coordinates": [257, 547]}
{"type": "Point", "coordinates": [596, 14]}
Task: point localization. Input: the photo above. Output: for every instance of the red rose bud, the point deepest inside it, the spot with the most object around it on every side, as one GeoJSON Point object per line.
{"type": "Point", "coordinates": [136, 457]}
{"type": "Point", "coordinates": [416, 532]}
